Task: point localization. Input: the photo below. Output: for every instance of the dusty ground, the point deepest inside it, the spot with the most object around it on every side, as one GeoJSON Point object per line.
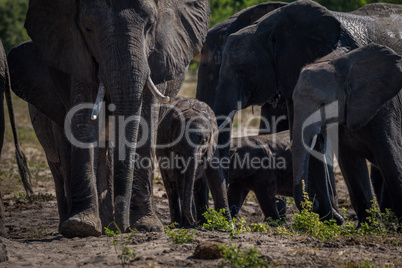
{"type": "Point", "coordinates": [34, 241]}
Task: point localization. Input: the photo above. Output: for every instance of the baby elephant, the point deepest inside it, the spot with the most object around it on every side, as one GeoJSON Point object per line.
{"type": "Point", "coordinates": [262, 164]}
{"type": "Point", "coordinates": [186, 140]}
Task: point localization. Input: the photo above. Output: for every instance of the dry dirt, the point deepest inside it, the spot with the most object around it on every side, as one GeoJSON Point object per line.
{"type": "Point", "coordinates": [34, 241]}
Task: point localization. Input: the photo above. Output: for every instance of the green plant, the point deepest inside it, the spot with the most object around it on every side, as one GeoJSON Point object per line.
{"type": "Point", "coordinates": [239, 226]}
{"type": "Point", "coordinates": [21, 195]}
{"type": "Point", "coordinates": [216, 220]}
{"type": "Point", "coordinates": [180, 236]}
{"type": "Point", "coordinates": [240, 258]}
{"type": "Point", "coordinates": [275, 223]}
{"type": "Point", "coordinates": [366, 264]}
{"type": "Point", "coordinates": [283, 231]}
{"type": "Point", "coordinates": [308, 222]}
{"type": "Point", "coordinates": [258, 227]}
{"type": "Point", "coordinates": [40, 197]}
{"type": "Point", "coordinates": [120, 242]}
{"type": "Point", "coordinates": [390, 221]}
{"type": "Point", "coordinates": [372, 225]}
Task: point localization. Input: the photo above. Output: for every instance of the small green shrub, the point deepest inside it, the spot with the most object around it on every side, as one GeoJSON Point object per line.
{"type": "Point", "coordinates": [283, 231]}
{"type": "Point", "coordinates": [372, 225]}
{"type": "Point", "coordinates": [180, 236]}
{"type": "Point", "coordinates": [275, 223]}
{"type": "Point", "coordinates": [258, 227]}
{"type": "Point", "coordinates": [390, 221]}
{"type": "Point", "coordinates": [40, 197]}
{"type": "Point", "coordinates": [366, 264]}
{"type": "Point", "coordinates": [239, 226]}
{"type": "Point", "coordinates": [308, 222]}
{"type": "Point", "coordinates": [216, 220]}
{"type": "Point", "coordinates": [238, 258]}
{"type": "Point", "coordinates": [120, 242]}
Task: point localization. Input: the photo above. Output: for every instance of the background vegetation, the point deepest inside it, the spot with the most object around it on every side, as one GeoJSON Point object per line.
{"type": "Point", "coordinates": [12, 14]}
{"type": "Point", "coordinates": [223, 9]}
{"type": "Point", "coordinates": [12, 18]}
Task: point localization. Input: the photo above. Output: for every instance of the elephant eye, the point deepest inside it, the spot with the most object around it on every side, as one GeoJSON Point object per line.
{"type": "Point", "coordinates": [151, 22]}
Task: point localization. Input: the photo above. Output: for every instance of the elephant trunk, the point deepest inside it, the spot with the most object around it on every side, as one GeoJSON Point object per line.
{"type": "Point", "coordinates": [125, 84]}
{"type": "Point", "coordinates": [225, 107]}
{"type": "Point", "coordinates": [187, 191]}
{"type": "Point", "coordinates": [303, 142]}
{"type": "Point", "coordinates": [300, 160]}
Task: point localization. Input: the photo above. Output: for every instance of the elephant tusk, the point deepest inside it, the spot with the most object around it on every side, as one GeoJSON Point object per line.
{"type": "Point", "coordinates": [313, 142]}
{"type": "Point", "coordinates": [228, 120]}
{"type": "Point", "coordinates": [289, 146]}
{"type": "Point", "coordinates": [99, 99]}
{"type": "Point", "coordinates": [151, 86]}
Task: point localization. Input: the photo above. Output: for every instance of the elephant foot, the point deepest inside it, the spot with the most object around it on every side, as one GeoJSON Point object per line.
{"type": "Point", "coordinates": [81, 225]}
{"type": "Point", "coordinates": [149, 223]}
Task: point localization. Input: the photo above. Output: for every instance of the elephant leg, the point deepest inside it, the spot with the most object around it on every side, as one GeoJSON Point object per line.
{"type": "Point", "coordinates": [355, 173]}
{"type": "Point", "coordinates": [201, 192]}
{"type": "Point", "coordinates": [390, 164]}
{"type": "Point", "coordinates": [142, 213]}
{"type": "Point", "coordinates": [265, 189]}
{"type": "Point", "coordinates": [319, 184]}
{"type": "Point", "coordinates": [62, 205]}
{"type": "Point", "coordinates": [47, 134]}
{"type": "Point", "coordinates": [217, 184]}
{"type": "Point", "coordinates": [105, 185]}
{"type": "Point", "coordinates": [173, 196]}
{"type": "Point", "coordinates": [237, 193]}
{"type": "Point", "coordinates": [64, 153]}
{"type": "Point", "coordinates": [380, 190]}
{"type": "Point", "coordinates": [83, 217]}
{"type": "Point", "coordinates": [281, 206]}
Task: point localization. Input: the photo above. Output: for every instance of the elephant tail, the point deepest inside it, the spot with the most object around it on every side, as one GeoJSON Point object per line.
{"type": "Point", "coordinates": [21, 159]}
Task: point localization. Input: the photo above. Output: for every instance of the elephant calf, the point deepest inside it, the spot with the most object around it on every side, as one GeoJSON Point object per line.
{"type": "Point", "coordinates": [262, 164]}
{"type": "Point", "coordinates": [186, 138]}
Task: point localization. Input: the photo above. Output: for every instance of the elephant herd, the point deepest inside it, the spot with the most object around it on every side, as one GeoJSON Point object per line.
{"type": "Point", "coordinates": [98, 76]}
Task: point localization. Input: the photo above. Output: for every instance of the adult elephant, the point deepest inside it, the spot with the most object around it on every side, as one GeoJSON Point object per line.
{"type": "Point", "coordinates": [208, 77]}
{"type": "Point", "coordinates": [268, 57]}
{"type": "Point", "coordinates": [5, 90]}
{"type": "Point", "coordinates": [211, 60]}
{"type": "Point", "coordinates": [109, 51]}
{"type": "Point", "coordinates": [361, 91]}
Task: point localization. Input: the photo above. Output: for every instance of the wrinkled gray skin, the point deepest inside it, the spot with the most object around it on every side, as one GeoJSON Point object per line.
{"type": "Point", "coordinates": [189, 132]}
{"type": "Point", "coordinates": [367, 84]}
{"type": "Point", "coordinates": [211, 59]}
{"type": "Point", "coordinates": [5, 90]}
{"type": "Point", "coordinates": [82, 44]}
{"type": "Point", "coordinates": [275, 177]}
{"type": "Point", "coordinates": [266, 58]}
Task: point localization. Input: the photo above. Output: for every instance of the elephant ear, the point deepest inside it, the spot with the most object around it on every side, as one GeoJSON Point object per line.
{"type": "Point", "coordinates": [374, 76]}
{"type": "Point", "coordinates": [52, 26]}
{"type": "Point", "coordinates": [298, 34]}
{"type": "Point", "coordinates": [180, 33]}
